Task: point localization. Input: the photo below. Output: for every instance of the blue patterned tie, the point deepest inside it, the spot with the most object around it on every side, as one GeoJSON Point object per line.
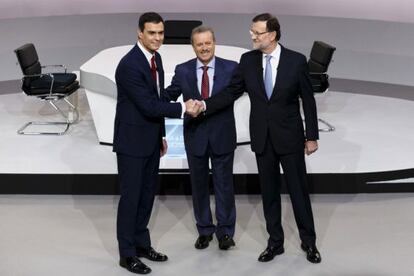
{"type": "Point", "coordinates": [268, 82]}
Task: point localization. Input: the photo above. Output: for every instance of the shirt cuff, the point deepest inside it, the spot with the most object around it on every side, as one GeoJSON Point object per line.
{"type": "Point", "coordinates": [182, 109]}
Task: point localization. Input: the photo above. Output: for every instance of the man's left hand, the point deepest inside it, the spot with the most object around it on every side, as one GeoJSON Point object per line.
{"type": "Point", "coordinates": [164, 148]}
{"type": "Point", "coordinates": [311, 147]}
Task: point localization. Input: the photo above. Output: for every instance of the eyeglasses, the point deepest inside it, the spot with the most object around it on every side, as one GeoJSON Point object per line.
{"type": "Point", "coordinates": [254, 33]}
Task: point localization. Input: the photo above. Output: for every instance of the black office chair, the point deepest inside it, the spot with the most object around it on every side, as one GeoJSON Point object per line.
{"type": "Point", "coordinates": [320, 58]}
{"type": "Point", "coordinates": [179, 31]}
{"type": "Point", "coordinates": [50, 87]}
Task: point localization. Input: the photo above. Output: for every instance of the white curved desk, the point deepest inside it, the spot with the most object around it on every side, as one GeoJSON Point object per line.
{"type": "Point", "coordinates": [97, 76]}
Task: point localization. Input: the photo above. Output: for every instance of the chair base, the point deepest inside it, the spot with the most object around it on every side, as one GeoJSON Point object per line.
{"type": "Point", "coordinates": [328, 128]}
{"type": "Point", "coordinates": [22, 132]}
{"type": "Point", "coordinates": [68, 121]}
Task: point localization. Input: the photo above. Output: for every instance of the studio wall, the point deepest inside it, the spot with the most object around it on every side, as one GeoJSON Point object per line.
{"type": "Point", "coordinates": [376, 48]}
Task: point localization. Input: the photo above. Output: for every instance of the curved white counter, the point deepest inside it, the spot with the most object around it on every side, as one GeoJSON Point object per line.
{"type": "Point", "coordinates": [97, 76]}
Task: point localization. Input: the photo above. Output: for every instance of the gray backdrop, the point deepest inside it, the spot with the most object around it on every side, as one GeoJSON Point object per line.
{"type": "Point", "coordinates": [370, 50]}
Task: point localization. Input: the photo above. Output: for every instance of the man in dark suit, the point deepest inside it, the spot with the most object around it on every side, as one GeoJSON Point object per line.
{"type": "Point", "coordinates": [138, 141]}
{"type": "Point", "coordinates": [275, 78]}
{"type": "Point", "coordinates": [211, 138]}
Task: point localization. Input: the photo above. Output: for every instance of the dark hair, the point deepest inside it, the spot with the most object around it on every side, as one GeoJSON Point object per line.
{"type": "Point", "coordinates": [151, 17]}
{"type": "Point", "coordinates": [272, 24]}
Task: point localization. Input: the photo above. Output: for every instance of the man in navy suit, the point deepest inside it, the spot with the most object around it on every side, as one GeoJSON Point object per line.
{"type": "Point", "coordinates": [212, 138]}
{"type": "Point", "coordinates": [275, 78]}
{"type": "Point", "coordinates": [139, 141]}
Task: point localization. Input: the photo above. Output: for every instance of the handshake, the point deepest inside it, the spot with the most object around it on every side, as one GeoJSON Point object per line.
{"type": "Point", "coordinates": [194, 107]}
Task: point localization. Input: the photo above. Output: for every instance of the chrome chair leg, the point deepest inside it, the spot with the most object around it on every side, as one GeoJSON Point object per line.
{"type": "Point", "coordinates": [328, 127]}
{"type": "Point", "coordinates": [23, 132]}
{"type": "Point", "coordinates": [68, 121]}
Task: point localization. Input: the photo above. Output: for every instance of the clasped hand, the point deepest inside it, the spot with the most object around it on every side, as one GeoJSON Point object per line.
{"type": "Point", "coordinates": [193, 107]}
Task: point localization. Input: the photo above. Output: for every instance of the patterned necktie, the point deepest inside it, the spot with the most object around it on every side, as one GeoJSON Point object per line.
{"type": "Point", "coordinates": [268, 81]}
{"type": "Point", "coordinates": [153, 69]}
{"type": "Point", "coordinates": [205, 84]}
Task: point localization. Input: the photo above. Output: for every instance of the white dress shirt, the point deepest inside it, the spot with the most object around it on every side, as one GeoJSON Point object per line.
{"type": "Point", "coordinates": [274, 62]}
{"type": "Point", "coordinates": [148, 56]}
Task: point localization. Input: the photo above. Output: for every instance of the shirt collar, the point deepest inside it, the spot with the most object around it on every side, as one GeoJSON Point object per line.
{"type": "Point", "coordinates": [147, 53]}
{"type": "Point", "coordinates": [275, 53]}
{"type": "Point", "coordinates": [211, 64]}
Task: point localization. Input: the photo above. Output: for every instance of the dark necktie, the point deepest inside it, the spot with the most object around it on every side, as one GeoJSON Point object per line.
{"type": "Point", "coordinates": [153, 69]}
{"type": "Point", "coordinates": [205, 84]}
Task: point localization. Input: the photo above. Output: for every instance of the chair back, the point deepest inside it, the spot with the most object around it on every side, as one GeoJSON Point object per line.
{"type": "Point", "coordinates": [29, 63]}
{"type": "Point", "coordinates": [320, 57]}
{"type": "Point", "coordinates": [28, 59]}
{"type": "Point", "coordinates": [179, 31]}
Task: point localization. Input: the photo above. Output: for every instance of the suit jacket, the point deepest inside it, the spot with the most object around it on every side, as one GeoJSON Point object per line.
{"type": "Point", "coordinates": [218, 130]}
{"type": "Point", "coordinates": [139, 118]}
{"type": "Point", "coordinates": [279, 117]}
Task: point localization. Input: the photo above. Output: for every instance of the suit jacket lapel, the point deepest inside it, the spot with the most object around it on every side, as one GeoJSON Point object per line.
{"type": "Point", "coordinates": [218, 77]}
{"type": "Point", "coordinates": [281, 73]}
{"type": "Point", "coordinates": [160, 71]}
{"type": "Point", "coordinates": [146, 69]}
{"type": "Point", "coordinates": [192, 78]}
{"type": "Point", "coordinates": [258, 63]}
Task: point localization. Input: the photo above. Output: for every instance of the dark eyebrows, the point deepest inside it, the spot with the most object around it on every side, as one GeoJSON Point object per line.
{"type": "Point", "coordinates": [154, 32]}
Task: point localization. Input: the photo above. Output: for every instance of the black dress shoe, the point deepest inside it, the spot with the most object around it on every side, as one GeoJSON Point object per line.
{"type": "Point", "coordinates": [134, 265]}
{"type": "Point", "coordinates": [151, 254]}
{"type": "Point", "coordinates": [203, 241]}
{"type": "Point", "coordinates": [312, 253]}
{"type": "Point", "coordinates": [226, 242]}
{"type": "Point", "coordinates": [270, 252]}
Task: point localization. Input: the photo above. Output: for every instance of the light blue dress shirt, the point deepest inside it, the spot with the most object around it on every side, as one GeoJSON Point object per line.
{"type": "Point", "coordinates": [211, 69]}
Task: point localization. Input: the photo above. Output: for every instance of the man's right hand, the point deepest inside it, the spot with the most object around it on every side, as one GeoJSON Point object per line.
{"type": "Point", "coordinates": [193, 107]}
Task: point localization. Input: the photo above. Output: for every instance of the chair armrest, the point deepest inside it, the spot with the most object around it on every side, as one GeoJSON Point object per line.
{"type": "Point", "coordinates": [55, 65]}
{"type": "Point", "coordinates": [317, 74]}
